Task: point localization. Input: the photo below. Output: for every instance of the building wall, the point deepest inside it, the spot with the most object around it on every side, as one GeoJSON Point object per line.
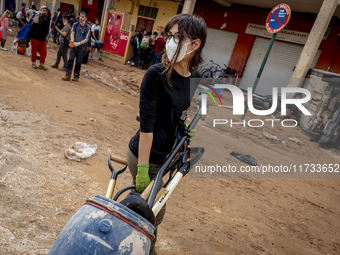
{"type": "Point", "coordinates": [236, 19]}
{"type": "Point", "coordinates": [166, 9]}
{"type": "Point", "coordinates": [76, 3]}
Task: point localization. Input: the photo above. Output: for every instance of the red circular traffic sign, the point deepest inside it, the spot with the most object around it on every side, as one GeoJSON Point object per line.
{"type": "Point", "coordinates": [278, 18]}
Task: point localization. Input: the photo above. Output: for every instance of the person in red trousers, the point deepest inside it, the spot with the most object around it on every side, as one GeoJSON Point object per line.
{"type": "Point", "coordinates": [39, 37]}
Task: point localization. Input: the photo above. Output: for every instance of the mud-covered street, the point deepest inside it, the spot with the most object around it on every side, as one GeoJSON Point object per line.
{"type": "Point", "coordinates": [40, 189]}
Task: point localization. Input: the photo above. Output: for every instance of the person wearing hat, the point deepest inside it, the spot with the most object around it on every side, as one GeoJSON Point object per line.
{"type": "Point", "coordinates": [39, 34]}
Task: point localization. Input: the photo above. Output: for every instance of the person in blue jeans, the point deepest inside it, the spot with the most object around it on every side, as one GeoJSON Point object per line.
{"type": "Point", "coordinates": [152, 46]}
{"type": "Point", "coordinates": [59, 23]}
{"type": "Point", "coordinates": [134, 39]}
{"type": "Point", "coordinates": [158, 52]}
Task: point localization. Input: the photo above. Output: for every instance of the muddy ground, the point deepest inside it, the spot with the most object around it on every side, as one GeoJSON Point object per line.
{"type": "Point", "coordinates": [41, 115]}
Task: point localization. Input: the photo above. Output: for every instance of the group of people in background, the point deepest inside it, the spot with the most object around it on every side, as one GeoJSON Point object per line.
{"type": "Point", "coordinates": [24, 15]}
{"type": "Point", "coordinates": [147, 48]}
{"type": "Point", "coordinates": [76, 36]}
{"type": "Point", "coordinates": [66, 28]}
{"type": "Point", "coordinates": [61, 35]}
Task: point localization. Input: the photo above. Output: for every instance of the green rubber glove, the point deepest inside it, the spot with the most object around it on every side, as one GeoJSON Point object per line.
{"type": "Point", "coordinates": [192, 133]}
{"type": "Point", "coordinates": [142, 178]}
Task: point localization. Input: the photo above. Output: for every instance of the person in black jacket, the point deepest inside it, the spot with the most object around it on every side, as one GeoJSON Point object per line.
{"type": "Point", "coordinates": [165, 96]}
{"type": "Point", "coordinates": [137, 38]}
{"type": "Point", "coordinates": [39, 37]}
{"type": "Point", "coordinates": [59, 23]}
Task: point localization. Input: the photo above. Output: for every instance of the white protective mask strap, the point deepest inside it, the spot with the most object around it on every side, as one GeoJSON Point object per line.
{"type": "Point", "coordinates": [189, 51]}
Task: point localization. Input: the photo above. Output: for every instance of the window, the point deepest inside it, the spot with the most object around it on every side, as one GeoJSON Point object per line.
{"type": "Point", "coordinates": [147, 11]}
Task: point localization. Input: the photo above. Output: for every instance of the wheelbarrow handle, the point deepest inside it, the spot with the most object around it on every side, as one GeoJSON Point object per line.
{"type": "Point", "coordinates": [146, 193]}
{"type": "Point", "coordinates": [119, 160]}
{"type": "Point", "coordinates": [110, 189]}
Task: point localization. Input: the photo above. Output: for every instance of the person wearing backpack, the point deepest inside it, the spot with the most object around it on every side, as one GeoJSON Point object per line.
{"type": "Point", "coordinates": [39, 37]}
{"type": "Point", "coordinates": [80, 36]}
{"type": "Point", "coordinates": [144, 49]}
{"type": "Point", "coordinates": [4, 28]}
{"type": "Point", "coordinates": [135, 39]}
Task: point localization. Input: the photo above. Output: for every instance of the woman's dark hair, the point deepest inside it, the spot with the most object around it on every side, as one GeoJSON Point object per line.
{"type": "Point", "coordinates": [24, 20]}
{"type": "Point", "coordinates": [33, 7]}
{"type": "Point", "coordinates": [23, 4]}
{"type": "Point", "coordinates": [191, 26]}
{"type": "Point", "coordinates": [67, 17]}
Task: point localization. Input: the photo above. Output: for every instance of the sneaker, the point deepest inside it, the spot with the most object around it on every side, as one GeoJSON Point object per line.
{"type": "Point", "coordinates": [75, 78]}
{"type": "Point", "coordinates": [3, 48]}
{"type": "Point", "coordinates": [132, 64]}
{"type": "Point", "coordinates": [54, 66]}
{"type": "Point", "coordinates": [100, 59]}
{"type": "Point", "coordinates": [67, 77]}
{"type": "Point", "coordinates": [43, 67]}
{"type": "Point", "coordinates": [128, 63]}
{"type": "Point", "coordinates": [34, 65]}
{"type": "Point", "coordinates": [90, 55]}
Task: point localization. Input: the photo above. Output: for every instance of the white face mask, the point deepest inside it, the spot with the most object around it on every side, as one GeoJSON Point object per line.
{"type": "Point", "coordinates": [171, 47]}
{"type": "Point", "coordinates": [65, 23]}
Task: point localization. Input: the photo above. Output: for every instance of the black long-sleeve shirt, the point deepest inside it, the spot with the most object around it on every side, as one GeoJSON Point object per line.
{"type": "Point", "coordinates": [40, 30]}
{"type": "Point", "coordinates": [161, 107]}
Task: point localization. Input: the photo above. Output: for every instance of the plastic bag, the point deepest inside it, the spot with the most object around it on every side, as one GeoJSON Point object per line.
{"type": "Point", "coordinates": [28, 52]}
{"type": "Point", "coordinates": [80, 150]}
{"type": "Point", "coordinates": [244, 158]}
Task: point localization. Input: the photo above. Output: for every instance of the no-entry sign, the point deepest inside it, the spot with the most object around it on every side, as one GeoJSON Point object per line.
{"type": "Point", "coordinates": [278, 18]}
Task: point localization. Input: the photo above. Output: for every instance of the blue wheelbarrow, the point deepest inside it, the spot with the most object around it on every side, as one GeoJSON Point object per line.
{"type": "Point", "coordinates": [105, 227]}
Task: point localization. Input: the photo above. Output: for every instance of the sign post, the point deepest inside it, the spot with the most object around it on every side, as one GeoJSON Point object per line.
{"type": "Point", "coordinates": [277, 20]}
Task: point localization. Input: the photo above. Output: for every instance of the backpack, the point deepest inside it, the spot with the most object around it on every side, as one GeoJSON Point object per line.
{"type": "Point", "coordinates": [132, 40]}
{"type": "Point", "coordinates": [24, 33]}
{"type": "Point", "coordinates": [145, 43]}
{"type": "Point", "coordinates": [86, 26]}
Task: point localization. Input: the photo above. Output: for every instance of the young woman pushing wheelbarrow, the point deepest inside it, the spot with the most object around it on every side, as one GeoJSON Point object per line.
{"type": "Point", "coordinates": [165, 97]}
{"type": "Point", "coordinates": [160, 146]}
